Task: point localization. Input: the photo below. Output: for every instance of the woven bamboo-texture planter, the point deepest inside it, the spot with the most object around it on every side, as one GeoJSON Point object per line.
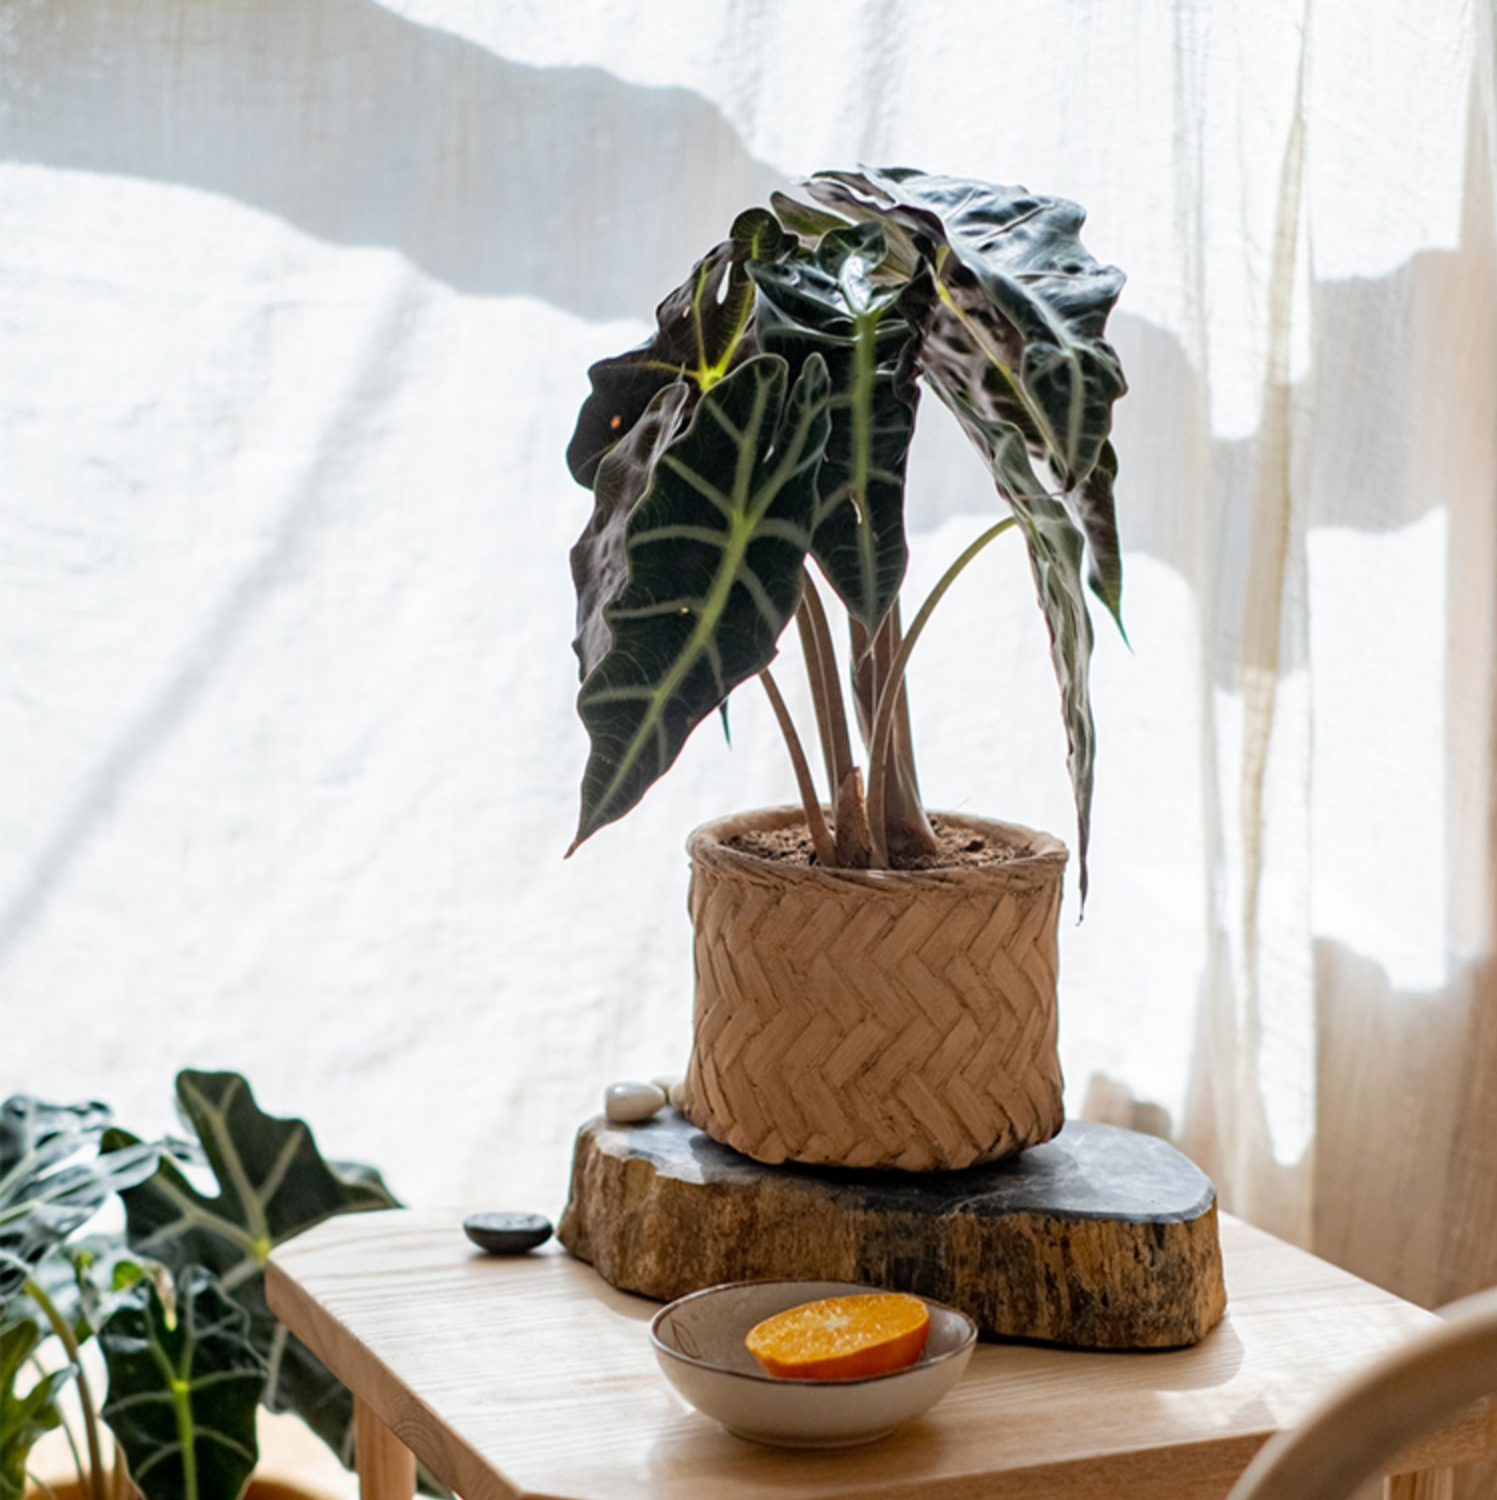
{"type": "Point", "coordinates": [875, 1019]}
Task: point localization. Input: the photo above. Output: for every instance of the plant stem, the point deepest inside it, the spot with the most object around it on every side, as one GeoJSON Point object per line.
{"type": "Point", "coordinates": [907, 830]}
{"type": "Point", "coordinates": [826, 686]}
{"type": "Point", "coordinates": [880, 745]}
{"type": "Point", "coordinates": [41, 1484]}
{"type": "Point", "coordinates": [821, 837]}
{"type": "Point", "coordinates": [854, 848]}
{"type": "Point", "coordinates": [94, 1482]}
{"type": "Point", "coordinates": [904, 741]}
{"type": "Point", "coordinates": [862, 677]}
{"type": "Point", "coordinates": [810, 647]}
{"type": "Point", "coordinates": [67, 1430]}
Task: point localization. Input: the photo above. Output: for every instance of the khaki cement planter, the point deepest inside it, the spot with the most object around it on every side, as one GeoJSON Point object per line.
{"type": "Point", "coordinates": [860, 1018]}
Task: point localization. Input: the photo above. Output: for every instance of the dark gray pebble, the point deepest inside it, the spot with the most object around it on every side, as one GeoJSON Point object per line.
{"type": "Point", "coordinates": [507, 1234]}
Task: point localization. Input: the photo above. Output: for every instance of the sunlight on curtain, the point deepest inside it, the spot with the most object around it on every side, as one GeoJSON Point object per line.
{"type": "Point", "coordinates": [297, 300]}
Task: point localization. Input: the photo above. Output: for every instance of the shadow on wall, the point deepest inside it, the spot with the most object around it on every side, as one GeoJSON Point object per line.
{"type": "Point", "coordinates": [501, 179]}
{"type": "Point", "coordinates": [489, 175]}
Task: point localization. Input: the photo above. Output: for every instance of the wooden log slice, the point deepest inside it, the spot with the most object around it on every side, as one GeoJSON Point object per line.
{"type": "Point", "coordinates": [1102, 1239]}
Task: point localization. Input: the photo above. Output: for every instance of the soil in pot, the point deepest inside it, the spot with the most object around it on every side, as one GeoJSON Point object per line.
{"type": "Point", "coordinates": [960, 847]}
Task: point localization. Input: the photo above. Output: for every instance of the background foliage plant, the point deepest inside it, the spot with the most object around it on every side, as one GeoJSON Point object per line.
{"type": "Point", "coordinates": [765, 427]}
{"type": "Point", "coordinates": [176, 1303]}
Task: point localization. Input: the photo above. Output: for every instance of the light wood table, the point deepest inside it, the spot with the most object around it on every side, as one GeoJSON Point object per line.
{"type": "Point", "coordinates": [532, 1377]}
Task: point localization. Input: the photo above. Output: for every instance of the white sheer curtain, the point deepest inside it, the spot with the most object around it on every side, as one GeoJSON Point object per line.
{"type": "Point", "coordinates": [296, 300]}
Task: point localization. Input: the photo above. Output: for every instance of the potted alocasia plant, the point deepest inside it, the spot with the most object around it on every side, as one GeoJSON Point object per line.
{"type": "Point", "coordinates": [875, 985]}
{"type": "Point", "coordinates": [175, 1304]}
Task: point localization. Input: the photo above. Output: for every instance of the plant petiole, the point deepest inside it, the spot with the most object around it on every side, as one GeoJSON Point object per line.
{"type": "Point", "coordinates": [880, 741]}
{"type": "Point", "coordinates": [94, 1481]}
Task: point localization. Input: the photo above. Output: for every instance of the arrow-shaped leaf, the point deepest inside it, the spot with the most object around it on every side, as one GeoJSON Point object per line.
{"type": "Point", "coordinates": [53, 1179]}
{"type": "Point", "coordinates": [1018, 325]}
{"type": "Point", "coordinates": [715, 551]}
{"type": "Point", "coordinates": [828, 302]}
{"type": "Point", "coordinates": [272, 1183]}
{"type": "Point", "coordinates": [706, 329]}
{"type": "Point", "coordinates": [1055, 560]}
{"type": "Point", "coordinates": [183, 1390]}
{"type": "Point", "coordinates": [23, 1417]}
{"type": "Point", "coordinates": [1012, 342]}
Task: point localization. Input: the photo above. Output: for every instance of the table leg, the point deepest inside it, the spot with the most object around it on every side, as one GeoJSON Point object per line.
{"type": "Point", "coordinates": [387, 1468]}
{"type": "Point", "coordinates": [1433, 1484]}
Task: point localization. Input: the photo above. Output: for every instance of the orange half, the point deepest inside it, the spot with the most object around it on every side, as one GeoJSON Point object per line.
{"type": "Point", "coordinates": [842, 1338]}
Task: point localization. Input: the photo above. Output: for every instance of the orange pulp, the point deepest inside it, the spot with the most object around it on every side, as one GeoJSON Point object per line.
{"type": "Point", "coordinates": [842, 1338]}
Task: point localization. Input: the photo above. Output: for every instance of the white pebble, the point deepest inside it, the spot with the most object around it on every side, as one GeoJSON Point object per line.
{"type": "Point", "coordinates": [666, 1082]}
{"type": "Point", "coordinates": [677, 1096]}
{"type": "Point", "coordinates": [631, 1103]}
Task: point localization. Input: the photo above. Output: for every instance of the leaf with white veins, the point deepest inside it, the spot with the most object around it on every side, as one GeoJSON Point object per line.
{"type": "Point", "coordinates": [183, 1390]}
{"type": "Point", "coordinates": [715, 550]}
{"type": "Point", "coordinates": [272, 1183]}
{"type": "Point", "coordinates": [705, 330]}
{"type": "Point", "coordinates": [1018, 329]}
{"type": "Point", "coordinates": [827, 302]}
{"type": "Point", "coordinates": [1012, 343]}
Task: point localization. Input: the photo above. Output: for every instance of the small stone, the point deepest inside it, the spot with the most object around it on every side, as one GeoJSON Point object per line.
{"type": "Point", "coordinates": [632, 1103]}
{"type": "Point", "coordinates": [507, 1234]}
{"type": "Point", "coordinates": [677, 1095]}
{"type": "Point", "coordinates": [666, 1082]}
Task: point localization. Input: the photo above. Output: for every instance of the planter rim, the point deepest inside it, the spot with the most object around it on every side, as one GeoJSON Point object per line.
{"type": "Point", "coordinates": [706, 843]}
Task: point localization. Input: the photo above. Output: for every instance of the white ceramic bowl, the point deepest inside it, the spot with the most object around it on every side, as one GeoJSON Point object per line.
{"type": "Point", "coordinates": [699, 1342]}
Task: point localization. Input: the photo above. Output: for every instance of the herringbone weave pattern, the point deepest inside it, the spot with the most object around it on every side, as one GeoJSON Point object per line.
{"type": "Point", "coordinates": [858, 1019]}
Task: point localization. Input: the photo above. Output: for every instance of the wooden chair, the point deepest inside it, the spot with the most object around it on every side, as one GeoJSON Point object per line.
{"type": "Point", "coordinates": [1356, 1433]}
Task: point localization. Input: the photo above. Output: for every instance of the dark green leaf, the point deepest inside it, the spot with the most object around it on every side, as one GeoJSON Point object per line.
{"type": "Point", "coordinates": [1012, 343]}
{"type": "Point", "coordinates": [1022, 251]}
{"type": "Point", "coordinates": [715, 551]}
{"type": "Point", "coordinates": [363, 1174]}
{"type": "Point", "coordinates": [600, 561]}
{"type": "Point", "coordinates": [856, 197]}
{"type": "Point", "coordinates": [706, 329]}
{"type": "Point", "coordinates": [802, 219]}
{"type": "Point", "coordinates": [827, 302]}
{"type": "Point", "coordinates": [1018, 327]}
{"type": "Point", "coordinates": [963, 358]}
{"type": "Point", "coordinates": [272, 1184]}
{"type": "Point", "coordinates": [53, 1179]}
{"type": "Point", "coordinates": [301, 1383]}
{"type": "Point", "coordinates": [1091, 503]}
{"type": "Point", "coordinates": [183, 1390]}
{"type": "Point", "coordinates": [1055, 559]}
{"type": "Point", "coordinates": [23, 1418]}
